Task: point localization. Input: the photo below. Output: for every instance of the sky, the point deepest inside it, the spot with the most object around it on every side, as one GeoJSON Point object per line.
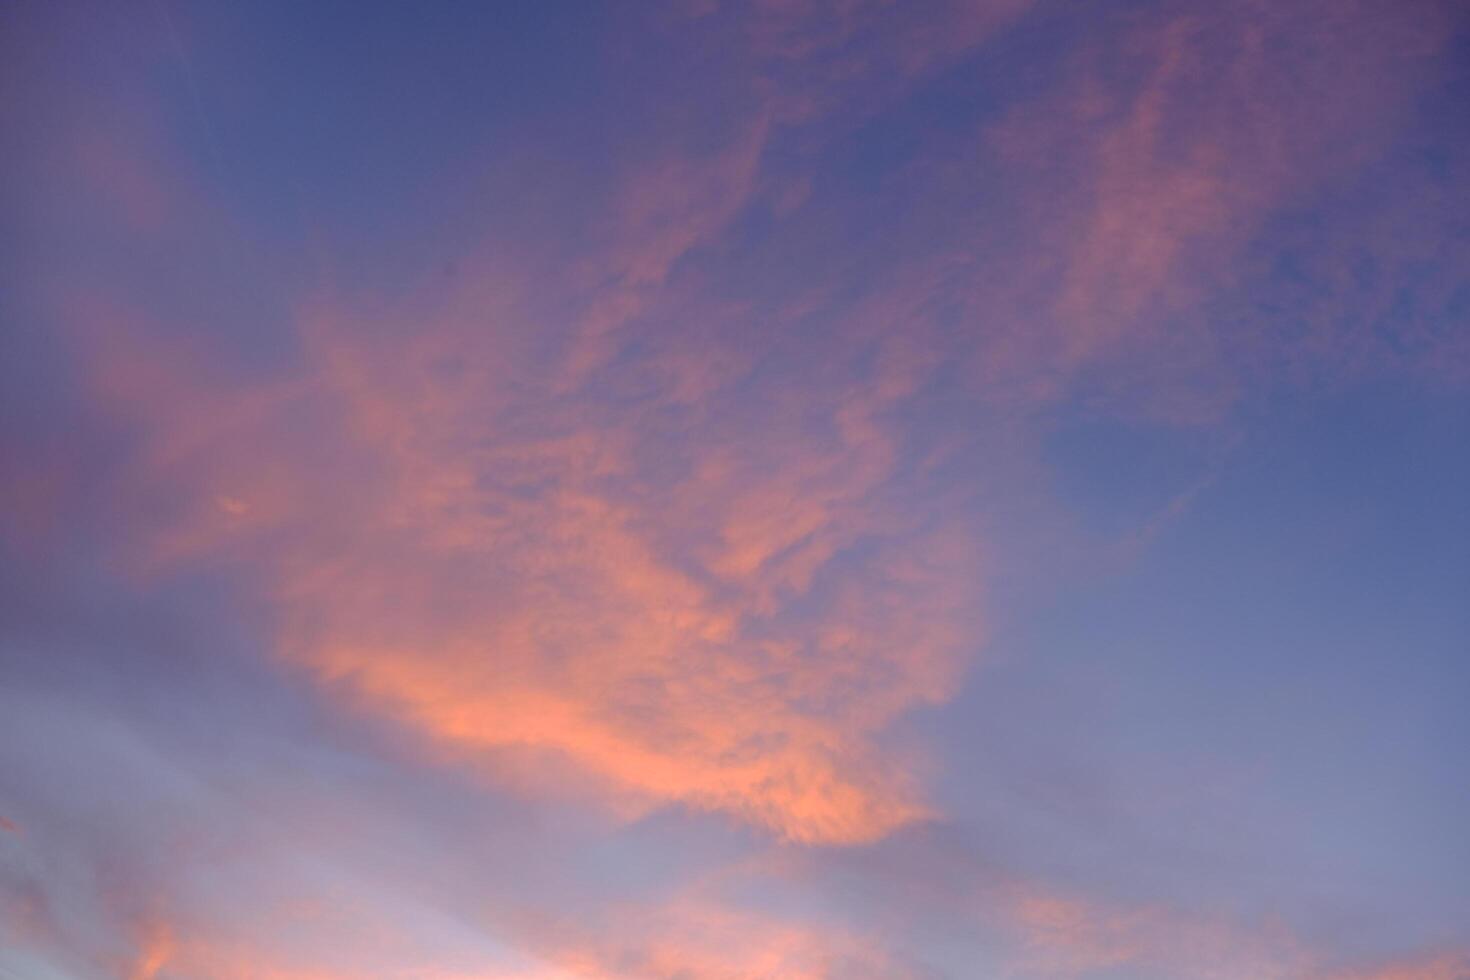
{"type": "Point", "coordinates": [696, 490]}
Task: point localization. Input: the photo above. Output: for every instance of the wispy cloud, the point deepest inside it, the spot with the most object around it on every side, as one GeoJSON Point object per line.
{"type": "Point", "coordinates": [571, 563]}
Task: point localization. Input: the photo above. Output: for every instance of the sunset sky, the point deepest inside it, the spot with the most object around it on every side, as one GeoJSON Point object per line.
{"type": "Point", "coordinates": [707, 490]}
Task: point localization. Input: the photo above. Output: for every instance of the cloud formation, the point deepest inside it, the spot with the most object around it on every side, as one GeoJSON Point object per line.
{"type": "Point", "coordinates": [487, 560]}
{"type": "Point", "coordinates": [562, 536]}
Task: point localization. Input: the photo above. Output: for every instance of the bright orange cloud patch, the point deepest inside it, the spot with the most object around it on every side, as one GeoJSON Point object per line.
{"type": "Point", "coordinates": [695, 597]}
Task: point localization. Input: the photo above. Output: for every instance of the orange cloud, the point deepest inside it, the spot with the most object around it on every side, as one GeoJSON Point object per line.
{"type": "Point", "coordinates": [710, 941]}
{"type": "Point", "coordinates": [309, 927]}
{"type": "Point", "coordinates": [157, 951]}
{"type": "Point", "coordinates": [701, 593]}
{"type": "Point", "coordinates": [696, 939]}
{"type": "Point", "coordinates": [719, 611]}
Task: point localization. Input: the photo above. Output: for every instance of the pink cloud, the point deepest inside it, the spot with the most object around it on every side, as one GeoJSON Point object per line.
{"type": "Point", "coordinates": [1140, 197]}
{"type": "Point", "coordinates": [481, 558]}
{"type": "Point", "coordinates": [569, 563]}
